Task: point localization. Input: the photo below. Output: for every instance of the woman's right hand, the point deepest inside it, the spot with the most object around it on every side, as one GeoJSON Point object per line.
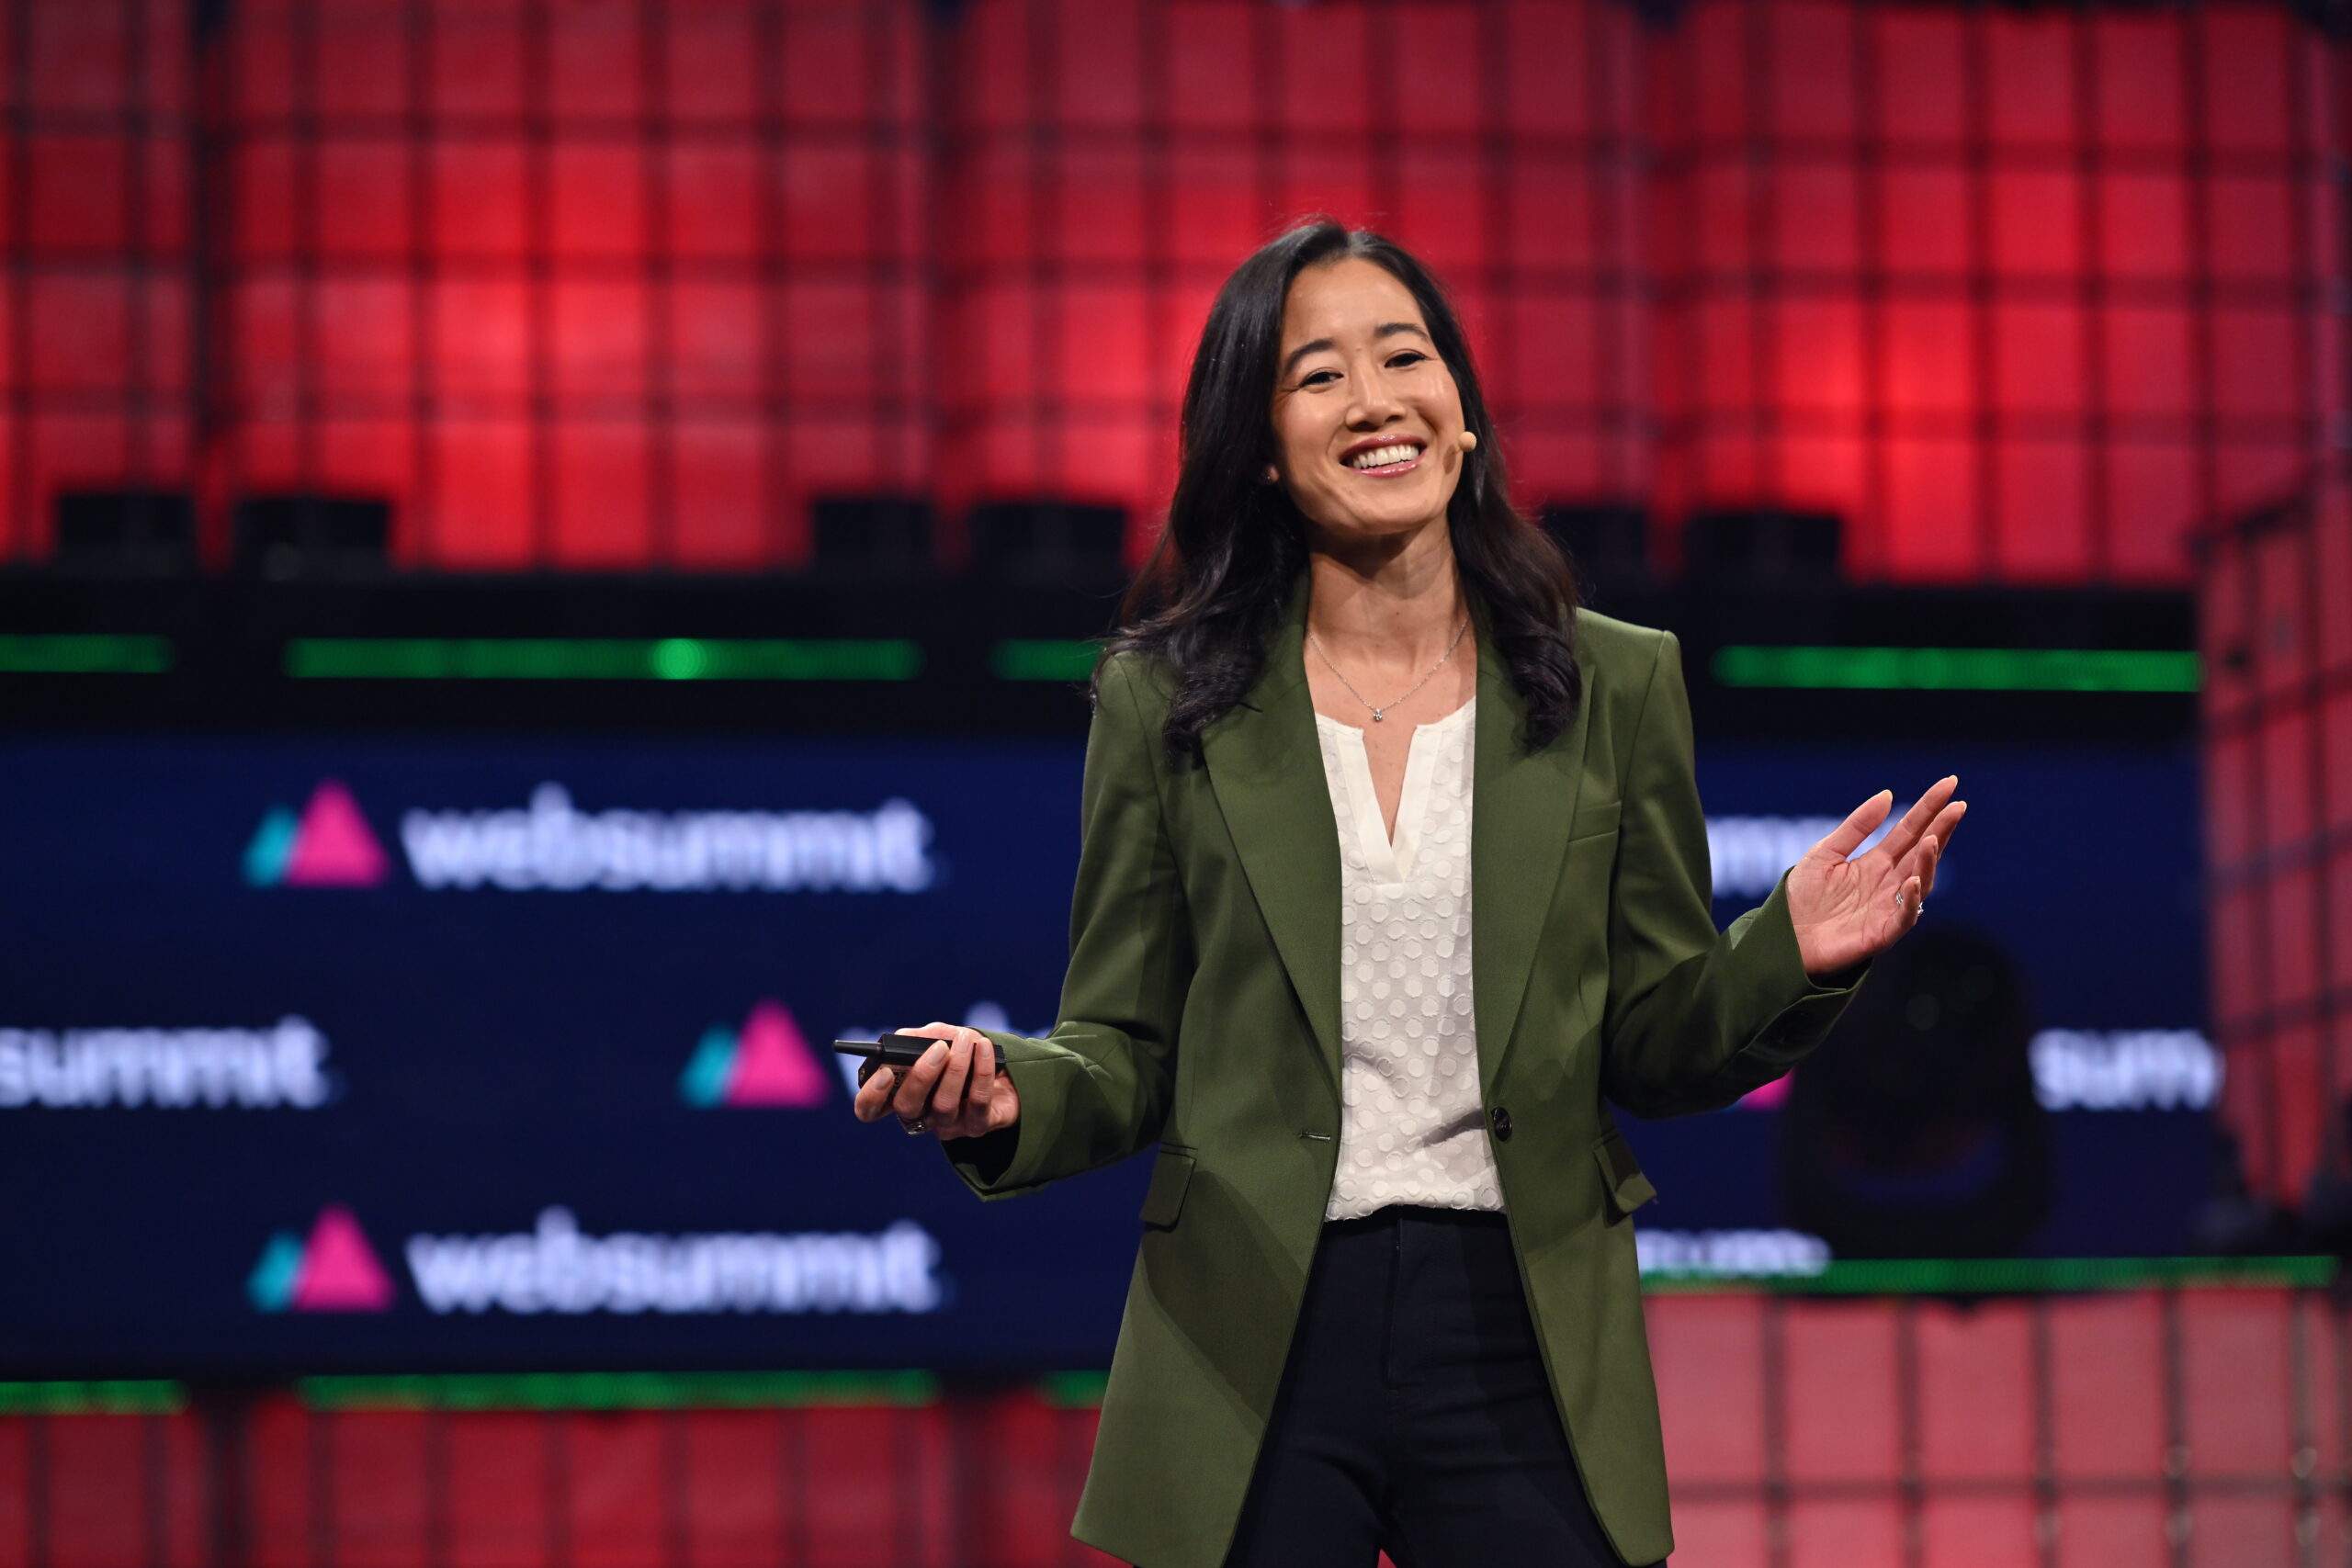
{"type": "Point", "coordinates": [954, 1091]}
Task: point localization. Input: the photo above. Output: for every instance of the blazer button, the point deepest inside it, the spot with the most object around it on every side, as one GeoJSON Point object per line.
{"type": "Point", "coordinates": [1500, 1117]}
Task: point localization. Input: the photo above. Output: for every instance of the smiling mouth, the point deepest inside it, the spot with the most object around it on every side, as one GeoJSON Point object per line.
{"type": "Point", "coordinates": [1382, 462]}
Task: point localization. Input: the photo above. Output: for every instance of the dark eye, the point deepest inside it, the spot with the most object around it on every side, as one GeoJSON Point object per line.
{"type": "Point", "coordinates": [1314, 376]}
{"type": "Point", "coordinates": [1406, 358]}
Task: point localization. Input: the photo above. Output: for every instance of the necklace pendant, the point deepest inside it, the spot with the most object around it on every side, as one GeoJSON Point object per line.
{"type": "Point", "coordinates": [1376, 715]}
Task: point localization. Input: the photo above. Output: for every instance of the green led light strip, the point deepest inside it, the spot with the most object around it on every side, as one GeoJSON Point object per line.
{"type": "Point", "coordinates": [616, 1391]}
{"type": "Point", "coordinates": [2011, 1276]}
{"type": "Point", "coordinates": [1959, 668]}
{"type": "Point", "coordinates": [601, 658]}
{"type": "Point", "coordinates": [69, 653]}
{"type": "Point", "coordinates": [1073, 1391]}
{"type": "Point", "coordinates": [1041, 659]}
{"type": "Point", "coordinates": [110, 1398]}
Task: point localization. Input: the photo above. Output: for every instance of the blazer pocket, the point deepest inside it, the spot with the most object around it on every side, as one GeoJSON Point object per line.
{"type": "Point", "coordinates": [1171, 1172]}
{"type": "Point", "coordinates": [1595, 818]}
{"type": "Point", "coordinates": [1620, 1174]}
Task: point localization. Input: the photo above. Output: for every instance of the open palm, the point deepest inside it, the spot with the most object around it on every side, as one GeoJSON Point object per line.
{"type": "Point", "coordinates": [1847, 910]}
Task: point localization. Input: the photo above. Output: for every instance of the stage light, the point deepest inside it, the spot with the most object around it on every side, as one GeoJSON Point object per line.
{"type": "Point", "coordinates": [78, 653]}
{"type": "Point", "coordinates": [1044, 659]}
{"type": "Point", "coordinates": [1050, 544]}
{"type": "Point", "coordinates": [283, 537]}
{"type": "Point", "coordinates": [1609, 546]}
{"type": "Point", "coordinates": [106, 1397]}
{"type": "Point", "coordinates": [1745, 551]}
{"type": "Point", "coordinates": [1960, 669]}
{"type": "Point", "coordinates": [618, 1390]}
{"type": "Point", "coordinates": [126, 532]}
{"type": "Point", "coordinates": [601, 658]}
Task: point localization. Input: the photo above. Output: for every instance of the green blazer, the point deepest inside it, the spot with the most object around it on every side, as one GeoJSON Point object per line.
{"type": "Point", "coordinates": [1202, 1010]}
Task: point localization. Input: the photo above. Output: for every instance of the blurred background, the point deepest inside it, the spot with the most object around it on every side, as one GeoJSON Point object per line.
{"type": "Point", "coordinates": [549, 553]}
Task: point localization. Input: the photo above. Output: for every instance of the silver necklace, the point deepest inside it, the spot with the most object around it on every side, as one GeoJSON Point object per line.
{"type": "Point", "coordinates": [1378, 713]}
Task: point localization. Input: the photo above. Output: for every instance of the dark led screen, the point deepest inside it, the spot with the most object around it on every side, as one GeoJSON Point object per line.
{"type": "Point", "coordinates": [345, 1054]}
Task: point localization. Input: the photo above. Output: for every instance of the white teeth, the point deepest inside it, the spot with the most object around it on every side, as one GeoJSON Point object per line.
{"type": "Point", "coordinates": [1381, 457]}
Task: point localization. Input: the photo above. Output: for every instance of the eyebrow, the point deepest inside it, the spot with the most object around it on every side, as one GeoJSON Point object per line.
{"type": "Point", "coordinates": [1385, 329]}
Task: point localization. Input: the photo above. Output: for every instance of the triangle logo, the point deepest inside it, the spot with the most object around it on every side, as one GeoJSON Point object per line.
{"type": "Point", "coordinates": [766, 1063]}
{"type": "Point", "coordinates": [332, 846]}
{"type": "Point", "coordinates": [335, 1270]}
{"type": "Point", "coordinates": [773, 1063]}
{"type": "Point", "coordinates": [703, 1083]}
{"type": "Point", "coordinates": [270, 1287]}
{"type": "Point", "coordinates": [272, 846]}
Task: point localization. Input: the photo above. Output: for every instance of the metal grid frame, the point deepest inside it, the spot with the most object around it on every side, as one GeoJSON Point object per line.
{"type": "Point", "coordinates": [150, 115]}
{"type": "Point", "coordinates": [2276, 735]}
{"type": "Point", "coordinates": [2121, 542]}
{"type": "Point", "coordinates": [2195, 1427]}
{"type": "Point", "coordinates": [1572, 235]}
{"type": "Point", "coordinates": [643, 412]}
{"type": "Point", "coordinates": [1281, 157]}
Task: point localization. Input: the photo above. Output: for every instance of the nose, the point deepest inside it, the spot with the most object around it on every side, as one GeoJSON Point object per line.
{"type": "Point", "coordinates": [1374, 404]}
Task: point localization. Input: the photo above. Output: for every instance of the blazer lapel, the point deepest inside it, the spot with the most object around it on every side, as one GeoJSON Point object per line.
{"type": "Point", "coordinates": [1519, 810]}
{"type": "Point", "coordinates": [1265, 763]}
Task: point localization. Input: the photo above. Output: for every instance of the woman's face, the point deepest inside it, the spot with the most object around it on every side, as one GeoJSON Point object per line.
{"type": "Point", "coordinates": [1367, 419]}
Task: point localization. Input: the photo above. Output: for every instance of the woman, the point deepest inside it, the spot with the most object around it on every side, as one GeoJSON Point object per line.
{"type": "Point", "coordinates": [1386, 1293]}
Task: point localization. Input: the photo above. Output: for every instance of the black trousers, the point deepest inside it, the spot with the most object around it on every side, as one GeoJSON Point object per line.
{"type": "Point", "coordinates": [1414, 1417]}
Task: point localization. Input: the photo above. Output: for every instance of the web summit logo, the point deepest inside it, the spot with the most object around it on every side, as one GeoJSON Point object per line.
{"type": "Point", "coordinates": [552, 846]}
{"type": "Point", "coordinates": [170, 1069]}
{"type": "Point", "coordinates": [335, 1270]}
{"type": "Point", "coordinates": [767, 1062]}
{"type": "Point", "coordinates": [556, 1267]}
{"type": "Point", "coordinates": [330, 845]}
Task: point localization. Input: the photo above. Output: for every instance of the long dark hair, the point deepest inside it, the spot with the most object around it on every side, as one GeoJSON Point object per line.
{"type": "Point", "coordinates": [1216, 583]}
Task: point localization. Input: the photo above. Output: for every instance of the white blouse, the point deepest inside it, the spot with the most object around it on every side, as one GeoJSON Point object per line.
{"type": "Point", "coordinates": [1411, 1128]}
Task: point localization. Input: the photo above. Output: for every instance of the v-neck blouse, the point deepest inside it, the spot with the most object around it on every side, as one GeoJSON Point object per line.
{"type": "Point", "coordinates": [1411, 1127]}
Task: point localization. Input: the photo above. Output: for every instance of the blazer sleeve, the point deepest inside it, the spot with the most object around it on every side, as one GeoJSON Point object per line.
{"type": "Point", "coordinates": [1097, 1087]}
{"type": "Point", "coordinates": [1696, 1018]}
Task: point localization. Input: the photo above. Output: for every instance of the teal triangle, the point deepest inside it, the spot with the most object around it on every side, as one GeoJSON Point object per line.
{"type": "Point", "coordinates": [703, 1083]}
{"type": "Point", "coordinates": [271, 1284]}
{"type": "Point", "coordinates": [272, 846]}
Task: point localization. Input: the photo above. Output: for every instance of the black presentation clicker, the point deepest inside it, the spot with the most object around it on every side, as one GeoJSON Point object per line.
{"type": "Point", "coordinates": [897, 1051]}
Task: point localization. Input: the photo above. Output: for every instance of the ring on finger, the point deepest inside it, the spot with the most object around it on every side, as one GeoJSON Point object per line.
{"type": "Point", "coordinates": [912, 1128]}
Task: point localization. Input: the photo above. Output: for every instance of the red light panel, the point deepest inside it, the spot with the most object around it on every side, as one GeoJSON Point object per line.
{"type": "Point", "coordinates": [2024, 297]}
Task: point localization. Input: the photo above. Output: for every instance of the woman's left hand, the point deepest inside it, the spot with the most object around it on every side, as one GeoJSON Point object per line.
{"type": "Point", "coordinates": [1847, 910]}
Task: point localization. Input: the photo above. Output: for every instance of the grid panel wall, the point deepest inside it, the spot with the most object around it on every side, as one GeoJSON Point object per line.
{"type": "Point", "coordinates": [2024, 295]}
{"type": "Point", "coordinates": [2190, 1427]}
{"type": "Point", "coordinates": [96, 214]}
{"type": "Point", "coordinates": [2276, 613]}
{"type": "Point", "coordinates": [1110, 160]}
{"type": "Point", "coordinates": [613, 284]}
{"type": "Point", "coordinates": [622, 284]}
{"type": "Point", "coordinates": [2200, 1427]}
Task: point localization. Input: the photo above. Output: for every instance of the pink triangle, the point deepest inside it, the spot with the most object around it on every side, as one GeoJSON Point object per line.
{"type": "Point", "coordinates": [339, 1268]}
{"type": "Point", "coordinates": [334, 847]}
{"type": "Point", "coordinates": [1769, 1096]}
{"type": "Point", "coordinates": [773, 1063]}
